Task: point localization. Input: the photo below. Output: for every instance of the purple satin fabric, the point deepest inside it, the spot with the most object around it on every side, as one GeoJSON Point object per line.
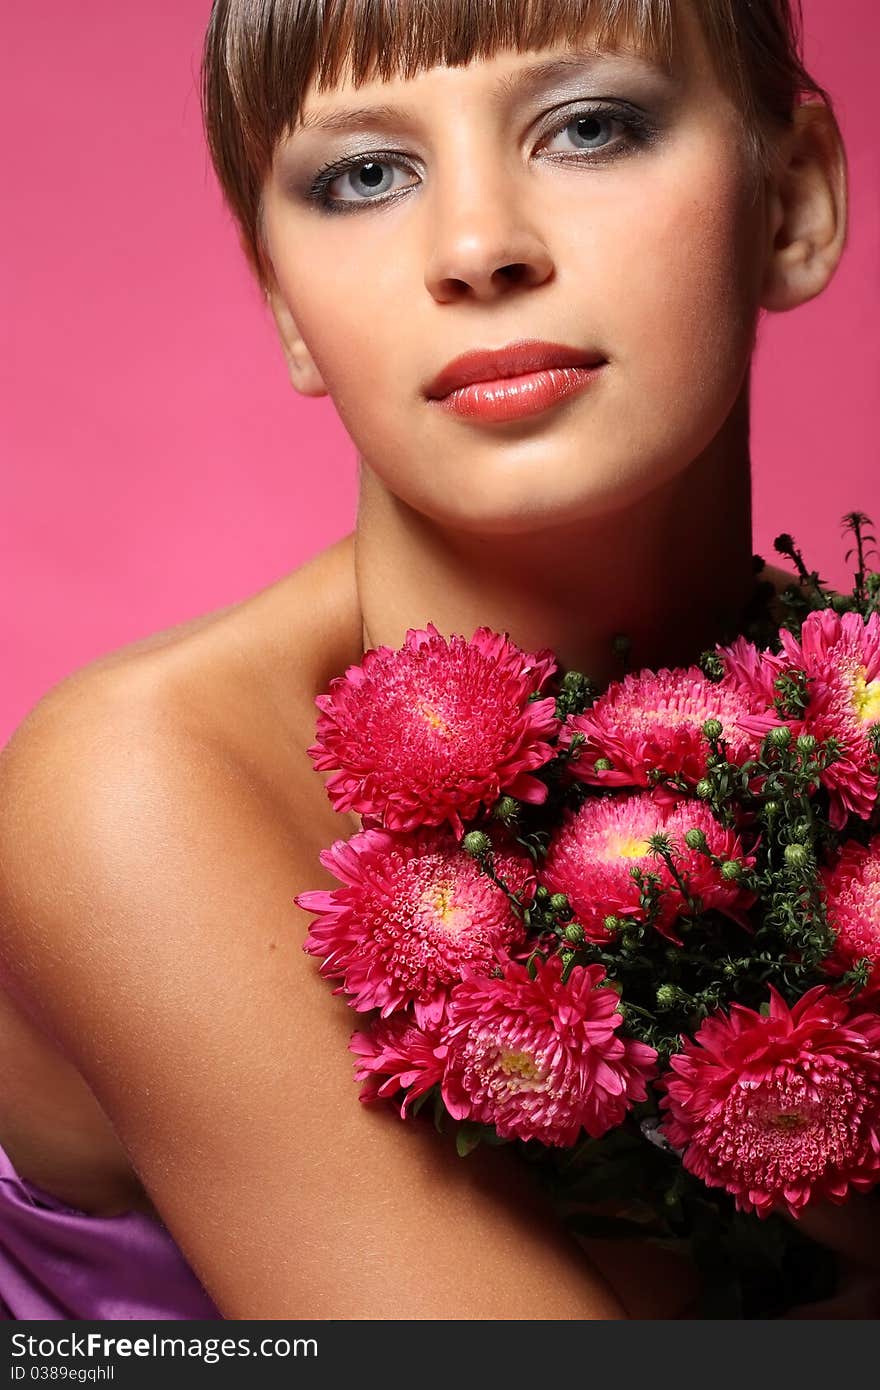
{"type": "Point", "coordinates": [58, 1262]}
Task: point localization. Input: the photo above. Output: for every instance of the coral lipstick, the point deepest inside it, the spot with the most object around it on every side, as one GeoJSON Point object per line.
{"type": "Point", "coordinates": [512, 397]}
{"type": "Point", "coordinates": [511, 382]}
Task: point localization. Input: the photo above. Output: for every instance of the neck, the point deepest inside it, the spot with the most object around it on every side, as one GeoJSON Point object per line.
{"type": "Point", "coordinates": [672, 572]}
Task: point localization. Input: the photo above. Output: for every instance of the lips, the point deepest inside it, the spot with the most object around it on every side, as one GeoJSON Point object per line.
{"type": "Point", "coordinates": [516, 359]}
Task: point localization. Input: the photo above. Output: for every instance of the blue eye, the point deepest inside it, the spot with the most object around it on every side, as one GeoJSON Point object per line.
{"type": "Point", "coordinates": [589, 127]}
{"type": "Point", "coordinates": [364, 174]}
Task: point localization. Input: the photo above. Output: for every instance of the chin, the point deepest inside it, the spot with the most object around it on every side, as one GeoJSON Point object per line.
{"type": "Point", "coordinates": [503, 505]}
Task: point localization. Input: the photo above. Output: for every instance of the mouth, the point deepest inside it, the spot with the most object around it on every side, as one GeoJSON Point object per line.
{"type": "Point", "coordinates": [515, 359]}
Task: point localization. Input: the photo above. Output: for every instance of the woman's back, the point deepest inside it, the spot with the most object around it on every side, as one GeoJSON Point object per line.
{"type": "Point", "coordinates": [160, 812]}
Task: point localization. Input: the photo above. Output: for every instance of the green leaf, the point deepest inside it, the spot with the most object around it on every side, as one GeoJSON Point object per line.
{"type": "Point", "coordinates": [468, 1137]}
{"type": "Point", "coordinates": [492, 1138]}
{"type": "Point", "coordinates": [420, 1100]}
{"type": "Point", "coordinates": [440, 1112]}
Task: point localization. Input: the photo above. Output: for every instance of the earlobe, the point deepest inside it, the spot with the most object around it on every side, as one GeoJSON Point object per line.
{"type": "Point", "coordinates": [807, 210]}
{"type": "Point", "coordinates": [304, 375]}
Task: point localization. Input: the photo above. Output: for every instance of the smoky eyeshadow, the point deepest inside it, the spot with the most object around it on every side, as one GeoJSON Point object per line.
{"type": "Point", "coordinates": [641, 85]}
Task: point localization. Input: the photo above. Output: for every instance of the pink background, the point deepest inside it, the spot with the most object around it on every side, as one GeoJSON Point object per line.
{"type": "Point", "coordinates": [156, 463]}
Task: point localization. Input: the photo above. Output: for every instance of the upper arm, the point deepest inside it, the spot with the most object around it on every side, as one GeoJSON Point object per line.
{"type": "Point", "coordinates": [147, 921]}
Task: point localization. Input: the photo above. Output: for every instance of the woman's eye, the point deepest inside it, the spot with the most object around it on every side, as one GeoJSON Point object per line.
{"type": "Point", "coordinates": [589, 131]}
{"type": "Point", "coordinates": [356, 183]}
{"type": "Point", "coordinates": [368, 180]}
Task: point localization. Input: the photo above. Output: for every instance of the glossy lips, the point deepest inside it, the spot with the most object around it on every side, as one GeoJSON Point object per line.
{"type": "Point", "coordinates": [518, 380]}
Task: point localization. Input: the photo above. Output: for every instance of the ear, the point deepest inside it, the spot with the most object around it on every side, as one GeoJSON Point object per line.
{"type": "Point", "coordinates": [807, 210]}
{"type": "Point", "coordinates": [304, 374]}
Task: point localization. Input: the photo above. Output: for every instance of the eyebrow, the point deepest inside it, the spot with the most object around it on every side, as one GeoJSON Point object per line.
{"type": "Point", "coordinates": [524, 80]}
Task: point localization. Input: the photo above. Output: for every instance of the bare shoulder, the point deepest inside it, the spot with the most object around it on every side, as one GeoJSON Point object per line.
{"type": "Point", "coordinates": [240, 680]}
{"type": "Point", "coordinates": [147, 876]}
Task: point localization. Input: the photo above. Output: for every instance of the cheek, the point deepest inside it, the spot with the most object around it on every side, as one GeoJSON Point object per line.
{"type": "Point", "coordinates": [354, 333]}
{"type": "Point", "coordinates": [687, 288]}
{"type": "Point", "coordinates": [680, 302]}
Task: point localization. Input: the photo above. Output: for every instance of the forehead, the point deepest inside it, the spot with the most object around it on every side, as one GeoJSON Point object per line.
{"type": "Point", "coordinates": [498, 81]}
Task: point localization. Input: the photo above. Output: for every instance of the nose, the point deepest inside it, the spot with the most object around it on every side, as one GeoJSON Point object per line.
{"type": "Point", "coordinates": [485, 241]}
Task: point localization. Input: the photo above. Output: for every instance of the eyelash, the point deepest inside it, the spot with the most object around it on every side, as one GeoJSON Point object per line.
{"type": "Point", "coordinates": [640, 131]}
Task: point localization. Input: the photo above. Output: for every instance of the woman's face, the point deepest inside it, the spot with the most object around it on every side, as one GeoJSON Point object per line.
{"type": "Point", "coordinates": [495, 207]}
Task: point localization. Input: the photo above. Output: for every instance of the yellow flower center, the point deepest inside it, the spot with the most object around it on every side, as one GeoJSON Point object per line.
{"type": "Point", "coordinates": [439, 899]}
{"type": "Point", "coordinates": [866, 697]}
{"type": "Point", "coordinates": [435, 720]}
{"type": "Point", "coordinates": [520, 1064]}
{"type": "Point", "coordinates": [627, 847]}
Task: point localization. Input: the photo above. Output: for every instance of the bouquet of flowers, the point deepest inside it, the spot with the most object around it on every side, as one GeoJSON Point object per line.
{"type": "Point", "coordinates": [633, 932]}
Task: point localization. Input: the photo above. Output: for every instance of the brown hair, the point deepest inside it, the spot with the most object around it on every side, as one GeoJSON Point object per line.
{"type": "Point", "coordinates": [260, 57]}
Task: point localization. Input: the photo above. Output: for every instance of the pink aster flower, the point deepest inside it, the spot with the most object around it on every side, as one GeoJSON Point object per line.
{"type": "Point", "coordinates": [752, 670]}
{"type": "Point", "coordinates": [592, 853]}
{"type": "Point", "coordinates": [414, 911]}
{"type": "Point", "coordinates": [840, 653]}
{"type": "Point", "coordinates": [539, 1059]}
{"type": "Point", "coordinates": [654, 719]}
{"type": "Point", "coordinates": [396, 1054]}
{"type": "Point", "coordinates": [436, 730]}
{"type": "Point", "coordinates": [852, 896]}
{"type": "Point", "coordinates": [779, 1110]}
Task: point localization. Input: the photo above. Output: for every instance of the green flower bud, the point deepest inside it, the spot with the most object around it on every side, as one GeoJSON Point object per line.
{"type": "Point", "coordinates": [780, 736]}
{"type": "Point", "coordinates": [703, 789]}
{"type": "Point", "coordinates": [566, 957]}
{"type": "Point", "coordinates": [476, 843]}
{"type": "Point", "coordinates": [506, 808]}
{"type": "Point", "coordinates": [666, 996]}
{"type": "Point", "coordinates": [602, 765]}
{"type": "Point", "coordinates": [574, 932]}
{"type": "Point", "coordinates": [772, 808]}
{"type": "Point", "coordinates": [610, 923]}
{"type": "Point", "coordinates": [542, 893]}
{"type": "Point", "coordinates": [572, 680]}
{"type": "Point", "coordinates": [797, 856]}
{"type": "Point", "coordinates": [731, 870]}
{"type": "Point", "coordinates": [713, 728]}
{"type": "Point", "coordinates": [695, 838]}
{"type": "Point", "coordinates": [711, 665]}
{"type": "Point", "coordinates": [806, 743]}
{"type": "Point", "coordinates": [558, 902]}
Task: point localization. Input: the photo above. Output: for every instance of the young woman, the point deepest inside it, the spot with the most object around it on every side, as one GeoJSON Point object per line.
{"type": "Point", "coordinates": [600, 200]}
